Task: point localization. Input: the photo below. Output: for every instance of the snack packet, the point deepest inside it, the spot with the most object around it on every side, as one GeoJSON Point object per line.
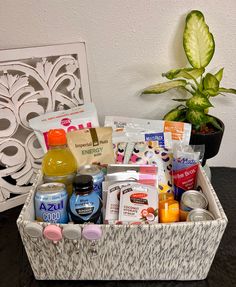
{"type": "Point", "coordinates": [186, 160]}
{"type": "Point", "coordinates": [70, 120]}
{"type": "Point", "coordinates": [180, 131]}
{"type": "Point", "coordinates": [90, 146]}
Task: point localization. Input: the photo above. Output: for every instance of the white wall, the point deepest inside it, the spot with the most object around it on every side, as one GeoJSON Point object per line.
{"type": "Point", "coordinates": [129, 44]}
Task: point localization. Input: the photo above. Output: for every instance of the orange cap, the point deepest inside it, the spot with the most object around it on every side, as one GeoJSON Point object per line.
{"type": "Point", "coordinates": [56, 137]}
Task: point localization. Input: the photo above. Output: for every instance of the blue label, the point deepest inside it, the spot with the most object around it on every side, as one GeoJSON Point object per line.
{"type": "Point", "coordinates": [159, 137]}
{"type": "Point", "coordinates": [178, 192]}
{"type": "Point", "coordinates": [97, 187]}
{"type": "Point", "coordinates": [85, 206]}
{"type": "Point", "coordinates": [182, 163]}
{"type": "Point", "coordinates": [54, 212]}
{"type": "Point", "coordinates": [51, 207]}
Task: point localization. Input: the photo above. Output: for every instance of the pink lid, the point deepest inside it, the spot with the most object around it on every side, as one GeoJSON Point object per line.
{"type": "Point", "coordinates": [92, 232]}
{"type": "Point", "coordinates": [53, 232]}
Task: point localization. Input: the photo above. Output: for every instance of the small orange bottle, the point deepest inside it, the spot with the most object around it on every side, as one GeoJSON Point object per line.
{"type": "Point", "coordinates": [168, 208]}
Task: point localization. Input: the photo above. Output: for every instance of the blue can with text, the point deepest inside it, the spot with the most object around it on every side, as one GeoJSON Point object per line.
{"type": "Point", "coordinates": [50, 203]}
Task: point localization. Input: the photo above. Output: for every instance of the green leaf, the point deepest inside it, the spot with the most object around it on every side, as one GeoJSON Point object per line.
{"type": "Point", "coordinates": [156, 212]}
{"type": "Point", "coordinates": [163, 87]}
{"type": "Point", "coordinates": [198, 42]}
{"type": "Point", "coordinates": [211, 83]}
{"type": "Point", "coordinates": [210, 92]}
{"type": "Point", "coordinates": [187, 73]}
{"type": "Point", "coordinates": [214, 122]}
{"type": "Point", "coordinates": [198, 102]}
{"type": "Point", "coordinates": [175, 114]}
{"type": "Point", "coordinates": [196, 117]}
{"type": "Point", "coordinates": [223, 90]}
{"type": "Point", "coordinates": [219, 74]}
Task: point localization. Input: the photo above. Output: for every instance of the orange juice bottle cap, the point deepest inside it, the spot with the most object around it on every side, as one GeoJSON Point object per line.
{"type": "Point", "coordinates": [56, 137]}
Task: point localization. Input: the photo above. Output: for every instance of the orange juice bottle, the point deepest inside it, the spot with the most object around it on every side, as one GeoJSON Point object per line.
{"type": "Point", "coordinates": [59, 165]}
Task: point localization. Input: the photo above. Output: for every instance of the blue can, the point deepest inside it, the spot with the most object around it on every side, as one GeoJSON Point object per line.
{"type": "Point", "coordinates": [50, 203]}
{"type": "Point", "coordinates": [96, 173]}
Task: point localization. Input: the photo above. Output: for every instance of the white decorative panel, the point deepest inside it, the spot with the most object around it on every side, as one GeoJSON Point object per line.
{"type": "Point", "coordinates": [34, 81]}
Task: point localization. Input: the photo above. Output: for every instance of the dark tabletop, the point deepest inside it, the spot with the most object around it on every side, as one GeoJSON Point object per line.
{"type": "Point", "coordinates": [15, 269]}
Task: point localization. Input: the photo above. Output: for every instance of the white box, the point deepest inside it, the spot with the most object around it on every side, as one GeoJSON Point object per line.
{"type": "Point", "coordinates": [176, 251]}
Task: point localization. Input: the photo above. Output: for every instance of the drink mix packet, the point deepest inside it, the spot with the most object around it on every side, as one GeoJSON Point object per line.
{"type": "Point", "coordinates": [91, 146]}
{"type": "Point", "coordinates": [186, 160]}
{"type": "Point", "coordinates": [180, 131]}
{"type": "Point", "coordinates": [70, 120]}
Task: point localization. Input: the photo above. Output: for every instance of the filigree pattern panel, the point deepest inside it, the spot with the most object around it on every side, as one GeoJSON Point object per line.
{"type": "Point", "coordinates": [45, 79]}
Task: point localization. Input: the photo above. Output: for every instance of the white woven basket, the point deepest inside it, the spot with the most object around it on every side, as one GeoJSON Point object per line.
{"type": "Point", "coordinates": [177, 251]}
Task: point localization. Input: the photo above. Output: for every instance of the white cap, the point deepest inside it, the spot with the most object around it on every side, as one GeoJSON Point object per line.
{"type": "Point", "coordinates": [33, 229]}
{"type": "Point", "coordinates": [72, 231]}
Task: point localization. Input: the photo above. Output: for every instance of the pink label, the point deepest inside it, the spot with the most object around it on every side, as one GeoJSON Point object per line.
{"type": "Point", "coordinates": [148, 175]}
{"type": "Point", "coordinates": [65, 122]}
{"type": "Point", "coordinates": [45, 135]}
{"type": "Point", "coordinates": [185, 178]}
{"type": "Point", "coordinates": [79, 127]}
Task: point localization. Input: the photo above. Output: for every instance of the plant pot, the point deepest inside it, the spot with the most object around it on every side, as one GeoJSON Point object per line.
{"type": "Point", "coordinates": [211, 141]}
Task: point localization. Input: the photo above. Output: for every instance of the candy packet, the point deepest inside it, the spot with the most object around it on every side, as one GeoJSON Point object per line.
{"type": "Point", "coordinates": [70, 120]}
{"type": "Point", "coordinates": [186, 160]}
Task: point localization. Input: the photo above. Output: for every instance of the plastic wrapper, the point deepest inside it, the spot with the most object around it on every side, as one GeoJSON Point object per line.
{"type": "Point", "coordinates": [70, 120]}
{"type": "Point", "coordinates": [186, 160]}
{"type": "Point", "coordinates": [180, 131]}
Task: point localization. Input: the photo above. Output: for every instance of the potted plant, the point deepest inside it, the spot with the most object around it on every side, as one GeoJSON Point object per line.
{"type": "Point", "coordinates": [199, 47]}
